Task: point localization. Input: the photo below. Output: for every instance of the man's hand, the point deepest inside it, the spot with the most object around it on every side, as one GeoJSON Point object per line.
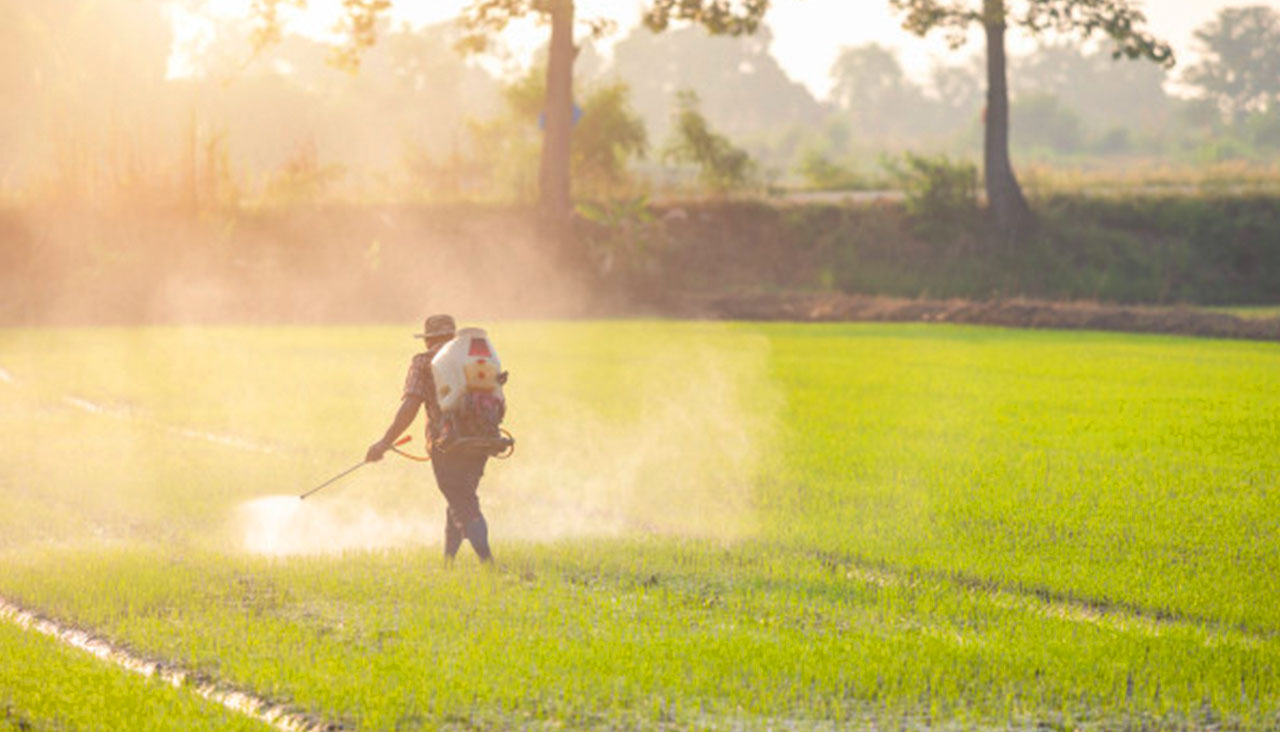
{"type": "Point", "coordinates": [376, 451]}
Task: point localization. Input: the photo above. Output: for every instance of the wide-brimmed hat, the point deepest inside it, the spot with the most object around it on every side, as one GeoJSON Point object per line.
{"type": "Point", "coordinates": [438, 326]}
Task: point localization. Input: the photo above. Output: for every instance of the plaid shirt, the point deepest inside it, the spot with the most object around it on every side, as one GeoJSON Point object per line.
{"type": "Point", "coordinates": [421, 384]}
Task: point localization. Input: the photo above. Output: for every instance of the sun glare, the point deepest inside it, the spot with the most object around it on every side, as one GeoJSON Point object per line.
{"type": "Point", "coordinates": [192, 34]}
{"type": "Point", "coordinates": [194, 30]}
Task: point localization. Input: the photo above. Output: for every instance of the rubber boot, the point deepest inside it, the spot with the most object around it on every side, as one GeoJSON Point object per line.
{"type": "Point", "coordinates": [478, 535]}
{"type": "Point", "coordinates": [452, 537]}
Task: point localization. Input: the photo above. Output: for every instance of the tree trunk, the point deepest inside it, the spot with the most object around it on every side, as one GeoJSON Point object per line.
{"type": "Point", "coordinates": [553, 173]}
{"type": "Point", "coordinates": [1004, 196]}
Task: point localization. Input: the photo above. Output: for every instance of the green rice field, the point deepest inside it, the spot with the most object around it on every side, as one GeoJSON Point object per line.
{"type": "Point", "coordinates": [44, 685]}
{"type": "Point", "coordinates": [704, 526]}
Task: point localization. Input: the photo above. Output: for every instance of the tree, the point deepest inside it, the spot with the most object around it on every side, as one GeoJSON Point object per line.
{"type": "Point", "coordinates": [958, 89]}
{"type": "Point", "coordinates": [483, 19]}
{"type": "Point", "coordinates": [1240, 69]}
{"type": "Point", "coordinates": [1091, 84]}
{"type": "Point", "coordinates": [742, 88]}
{"type": "Point", "coordinates": [1118, 20]}
{"type": "Point", "coordinates": [486, 18]}
{"type": "Point", "coordinates": [870, 85]}
{"type": "Point", "coordinates": [606, 137]}
{"type": "Point", "coordinates": [609, 134]}
{"type": "Point", "coordinates": [83, 88]}
{"type": "Point", "coordinates": [1042, 121]}
{"type": "Point", "coordinates": [721, 166]}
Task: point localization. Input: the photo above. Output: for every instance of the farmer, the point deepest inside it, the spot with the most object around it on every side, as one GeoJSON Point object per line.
{"type": "Point", "coordinates": [457, 472]}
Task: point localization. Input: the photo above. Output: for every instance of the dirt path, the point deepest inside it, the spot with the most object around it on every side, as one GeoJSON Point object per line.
{"type": "Point", "coordinates": [1017, 313]}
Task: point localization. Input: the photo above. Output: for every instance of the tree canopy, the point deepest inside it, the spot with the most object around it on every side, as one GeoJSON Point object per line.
{"type": "Point", "coordinates": [741, 86]}
{"type": "Point", "coordinates": [1240, 68]}
{"type": "Point", "coordinates": [870, 86]}
{"type": "Point", "coordinates": [1118, 20]}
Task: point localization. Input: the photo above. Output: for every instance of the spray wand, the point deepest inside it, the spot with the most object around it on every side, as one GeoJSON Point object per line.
{"type": "Point", "coordinates": [504, 446]}
{"type": "Point", "coordinates": [361, 464]}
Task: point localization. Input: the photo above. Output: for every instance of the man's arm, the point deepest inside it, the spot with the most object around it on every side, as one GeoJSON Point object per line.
{"type": "Point", "coordinates": [409, 407]}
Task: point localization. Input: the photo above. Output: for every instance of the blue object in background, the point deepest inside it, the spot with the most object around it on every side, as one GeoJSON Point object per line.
{"type": "Point", "coordinates": [577, 115]}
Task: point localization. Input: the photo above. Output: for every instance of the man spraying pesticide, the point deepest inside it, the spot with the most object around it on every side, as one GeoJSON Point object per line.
{"type": "Point", "coordinates": [458, 382]}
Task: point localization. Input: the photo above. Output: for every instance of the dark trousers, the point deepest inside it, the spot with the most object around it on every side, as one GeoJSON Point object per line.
{"type": "Point", "coordinates": [458, 478]}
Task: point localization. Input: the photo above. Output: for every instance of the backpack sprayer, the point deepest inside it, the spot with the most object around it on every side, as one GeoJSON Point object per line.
{"type": "Point", "coordinates": [468, 378]}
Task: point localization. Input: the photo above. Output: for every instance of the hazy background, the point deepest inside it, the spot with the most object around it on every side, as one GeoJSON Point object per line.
{"type": "Point", "coordinates": [142, 95]}
{"type": "Point", "coordinates": [155, 166]}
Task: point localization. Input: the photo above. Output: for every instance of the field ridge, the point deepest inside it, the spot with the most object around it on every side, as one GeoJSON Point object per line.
{"type": "Point", "coordinates": [276, 714]}
{"type": "Point", "coordinates": [1009, 313]}
{"type": "Point", "coordinates": [1059, 604]}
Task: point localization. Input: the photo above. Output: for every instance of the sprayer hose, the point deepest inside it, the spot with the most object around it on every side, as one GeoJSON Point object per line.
{"type": "Point", "coordinates": [506, 452]}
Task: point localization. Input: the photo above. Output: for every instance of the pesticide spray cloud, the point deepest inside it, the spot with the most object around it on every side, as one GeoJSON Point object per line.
{"type": "Point", "coordinates": [678, 456]}
{"type": "Point", "coordinates": [683, 462]}
{"type": "Point", "coordinates": [284, 525]}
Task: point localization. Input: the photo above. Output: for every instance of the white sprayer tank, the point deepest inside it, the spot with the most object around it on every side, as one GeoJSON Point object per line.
{"type": "Point", "coordinates": [466, 363]}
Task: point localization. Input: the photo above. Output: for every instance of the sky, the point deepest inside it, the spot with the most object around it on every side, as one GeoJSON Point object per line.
{"type": "Point", "coordinates": [808, 34]}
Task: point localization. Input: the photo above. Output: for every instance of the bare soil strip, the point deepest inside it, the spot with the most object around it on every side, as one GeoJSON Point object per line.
{"type": "Point", "coordinates": [272, 713]}
{"type": "Point", "coordinates": [1013, 313]}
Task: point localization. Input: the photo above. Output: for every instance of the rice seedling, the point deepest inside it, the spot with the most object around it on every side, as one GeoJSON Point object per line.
{"type": "Point", "coordinates": [711, 526]}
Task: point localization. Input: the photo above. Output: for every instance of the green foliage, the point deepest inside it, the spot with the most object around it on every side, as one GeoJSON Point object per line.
{"type": "Point", "coordinates": [1040, 120]}
{"type": "Point", "coordinates": [606, 138]}
{"type": "Point", "coordinates": [822, 173]}
{"type": "Point", "coordinates": [716, 16]}
{"type": "Point", "coordinates": [869, 85]}
{"type": "Point", "coordinates": [360, 24]}
{"type": "Point", "coordinates": [482, 21]}
{"type": "Point", "coordinates": [624, 242]}
{"type": "Point", "coordinates": [762, 101]}
{"type": "Point", "coordinates": [1103, 92]}
{"type": "Point", "coordinates": [1118, 20]}
{"type": "Point", "coordinates": [721, 165]}
{"type": "Point", "coordinates": [1205, 249]}
{"type": "Point", "coordinates": [939, 192]}
{"type": "Point", "coordinates": [303, 178]}
{"type": "Point", "coordinates": [1240, 66]}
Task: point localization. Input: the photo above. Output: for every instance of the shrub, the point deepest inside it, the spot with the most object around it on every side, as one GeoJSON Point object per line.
{"type": "Point", "coordinates": [940, 193]}
{"type": "Point", "coordinates": [721, 165]}
{"type": "Point", "coordinates": [822, 173]}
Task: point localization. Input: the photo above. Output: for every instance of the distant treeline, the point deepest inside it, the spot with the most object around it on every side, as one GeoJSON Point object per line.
{"type": "Point", "coordinates": [107, 108]}
{"type": "Point", "coordinates": [345, 263]}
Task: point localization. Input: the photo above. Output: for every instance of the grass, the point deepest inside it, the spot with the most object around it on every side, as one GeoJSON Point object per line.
{"type": "Point", "coordinates": [703, 526]}
{"type": "Point", "coordinates": [1249, 312]}
{"type": "Point", "coordinates": [44, 685]}
{"type": "Point", "coordinates": [1139, 176]}
{"type": "Point", "coordinates": [1114, 469]}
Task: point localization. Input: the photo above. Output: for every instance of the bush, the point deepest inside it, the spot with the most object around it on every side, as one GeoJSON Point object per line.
{"type": "Point", "coordinates": [721, 165]}
{"type": "Point", "coordinates": [821, 173]}
{"type": "Point", "coordinates": [940, 194]}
